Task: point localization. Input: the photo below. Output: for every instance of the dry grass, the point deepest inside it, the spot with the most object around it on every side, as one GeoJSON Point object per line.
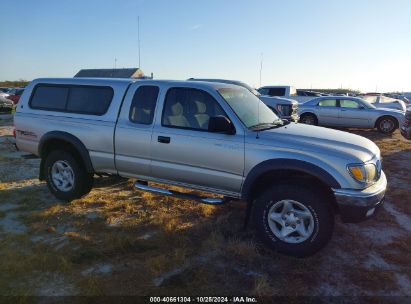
{"type": "Point", "coordinates": [117, 241]}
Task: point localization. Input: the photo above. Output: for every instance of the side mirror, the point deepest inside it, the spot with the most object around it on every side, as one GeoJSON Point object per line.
{"type": "Point", "coordinates": [220, 124]}
{"type": "Point", "coordinates": [361, 107]}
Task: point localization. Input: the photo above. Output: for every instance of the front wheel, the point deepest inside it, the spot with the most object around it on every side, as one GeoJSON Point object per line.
{"type": "Point", "coordinates": [66, 178]}
{"type": "Point", "coordinates": [309, 119]}
{"type": "Point", "coordinates": [294, 220]}
{"type": "Point", "coordinates": [386, 125]}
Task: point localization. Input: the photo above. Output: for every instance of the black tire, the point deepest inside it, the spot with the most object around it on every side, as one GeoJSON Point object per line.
{"type": "Point", "coordinates": [309, 119]}
{"type": "Point", "coordinates": [387, 124]}
{"type": "Point", "coordinates": [317, 204]}
{"type": "Point", "coordinates": [83, 181]}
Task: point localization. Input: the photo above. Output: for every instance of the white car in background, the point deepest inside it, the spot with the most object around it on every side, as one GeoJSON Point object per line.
{"type": "Point", "coordinates": [5, 103]}
{"type": "Point", "coordinates": [382, 101]}
{"type": "Point", "coordinates": [349, 112]}
{"type": "Point", "coordinates": [289, 92]}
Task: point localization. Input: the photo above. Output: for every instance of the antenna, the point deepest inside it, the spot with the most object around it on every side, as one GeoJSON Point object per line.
{"type": "Point", "coordinates": [115, 63]}
{"type": "Point", "coordinates": [261, 66]}
{"type": "Point", "coordinates": [138, 37]}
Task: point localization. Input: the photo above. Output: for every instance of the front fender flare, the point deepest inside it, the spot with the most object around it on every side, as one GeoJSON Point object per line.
{"type": "Point", "coordinates": [287, 164]}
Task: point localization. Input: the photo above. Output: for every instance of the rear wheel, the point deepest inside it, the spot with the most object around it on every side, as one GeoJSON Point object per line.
{"type": "Point", "coordinates": [386, 125]}
{"type": "Point", "coordinates": [294, 220]}
{"type": "Point", "coordinates": [66, 178]}
{"type": "Point", "coordinates": [309, 119]}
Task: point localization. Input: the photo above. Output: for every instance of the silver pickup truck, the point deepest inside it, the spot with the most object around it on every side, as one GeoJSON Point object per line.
{"type": "Point", "coordinates": [214, 137]}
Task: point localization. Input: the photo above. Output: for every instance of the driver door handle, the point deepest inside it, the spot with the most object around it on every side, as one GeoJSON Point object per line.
{"type": "Point", "coordinates": [163, 139]}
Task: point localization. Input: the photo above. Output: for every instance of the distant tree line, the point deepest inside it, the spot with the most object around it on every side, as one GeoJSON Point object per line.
{"type": "Point", "coordinates": [14, 83]}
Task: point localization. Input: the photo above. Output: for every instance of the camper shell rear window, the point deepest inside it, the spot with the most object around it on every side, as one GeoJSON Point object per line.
{"type": "Point", "coordinates": [80, 99]}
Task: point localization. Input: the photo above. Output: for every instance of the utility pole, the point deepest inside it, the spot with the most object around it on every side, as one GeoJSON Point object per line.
{"type": "Point", "coordinates": [138, 37]}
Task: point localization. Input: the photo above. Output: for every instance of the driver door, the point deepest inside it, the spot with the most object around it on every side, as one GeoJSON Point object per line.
{"type": "Point", "coordinates": [184, 151]}
{"type": "Point", "coordinates": [354, 114]}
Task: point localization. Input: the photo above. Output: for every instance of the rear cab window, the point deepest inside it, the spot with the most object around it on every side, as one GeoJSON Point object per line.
{"type": "Point", "coordinates": [276, 91]}
{"type": "Point", "coordinates": [80, 99]}
{"type": "Point", "coordinates": [143, 104]}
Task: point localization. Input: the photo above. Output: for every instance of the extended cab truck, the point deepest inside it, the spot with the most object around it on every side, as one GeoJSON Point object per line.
{"type": "Point", "coordinates": [215, 137]}
{"type": "Point", "coordinates": [289, 92]}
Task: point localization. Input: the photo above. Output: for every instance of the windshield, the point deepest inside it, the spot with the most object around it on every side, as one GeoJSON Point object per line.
{"type": "Point", "coordinates": [249, 108]}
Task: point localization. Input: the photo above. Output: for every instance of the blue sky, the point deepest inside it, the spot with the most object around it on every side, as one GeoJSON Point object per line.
{"type": "Point", "coordinates": [307, 43]}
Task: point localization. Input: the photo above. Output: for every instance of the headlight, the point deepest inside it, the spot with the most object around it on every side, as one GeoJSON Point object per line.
{"type": "Point", "coordinates": [363, 173]}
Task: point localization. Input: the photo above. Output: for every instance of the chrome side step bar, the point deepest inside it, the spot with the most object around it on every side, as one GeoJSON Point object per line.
{"type": "Point", "coordinates": [140, 185]}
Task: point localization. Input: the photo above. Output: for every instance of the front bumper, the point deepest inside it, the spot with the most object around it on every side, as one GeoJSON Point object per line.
{"type": "Point", "coordinates": [358, 205]}
{"type": "Point", "coordinates": [406, 132]}
{"type": "Point", "coordinates": [6, 105]}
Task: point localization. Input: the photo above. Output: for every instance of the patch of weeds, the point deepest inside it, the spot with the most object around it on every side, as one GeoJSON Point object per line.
{"type": "Point", "coordinates": [240, 250]}
{"type": "Point", "coordinates": [21, 259]}
{"type": "Point", "coordinates": [262, 287]}
{"type": "Point", "coordinates": [373, 280]}
{"type": "Point", "coordinates": [91, 286]}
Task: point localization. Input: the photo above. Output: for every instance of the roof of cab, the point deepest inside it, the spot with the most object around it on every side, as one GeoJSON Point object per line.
{"type": "Point", "coordinates": [107, 81]}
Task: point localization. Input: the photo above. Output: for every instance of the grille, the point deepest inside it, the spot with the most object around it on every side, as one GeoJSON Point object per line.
{"type": "Point", "coordinates": [407, 121]}
{"type": "Point", "coordinates": [287, 110]}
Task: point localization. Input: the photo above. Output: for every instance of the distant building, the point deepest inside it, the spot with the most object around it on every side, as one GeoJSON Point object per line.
{"type": "Point", "coordinates": [112, 73]}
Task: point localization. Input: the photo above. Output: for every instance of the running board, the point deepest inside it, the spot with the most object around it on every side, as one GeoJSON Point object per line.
{"type": "Point", "coordinates": [139, 185]}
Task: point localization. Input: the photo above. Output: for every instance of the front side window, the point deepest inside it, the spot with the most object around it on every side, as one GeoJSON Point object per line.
{"type": "Point", "coordinates": [249, 108]}
{"type": "Point", "coordinates": [81, 99]}
{"type": "Point", "coordinates": [143, 105]}
{"type": "Point", "coordinates": [328, 103]}
{"type": "Point", "coordinates": [189, 109]}
{"type": "Point", "coordinates": [346, 103]}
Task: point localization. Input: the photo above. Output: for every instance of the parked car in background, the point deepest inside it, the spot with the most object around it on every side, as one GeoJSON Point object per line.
{"type": "Point", "coordinates": [4, 90]}
{"type": "Point", "coordinates": [398, 96]}
{"type": "Point", "coordinates": [349, 112]}
{"type": "Point", "coordinates": [283, 91]}
{"type": "Point", "coordinates": [381, 101]}
{"type": "Point", "coordinates": [6, 104]}
{"type": "Point", "coordinates": [283, 107]}
{"type": "Point", "coordinates": [406, 126]}
{"type": "Point", "coordinates": [214, 137]}
{"type": "Point", "coordinates": [14, 94]}
{"type": "Point", "coordinates": [308, 93]}
{"type": "Point", "coordinates": [407, 95]}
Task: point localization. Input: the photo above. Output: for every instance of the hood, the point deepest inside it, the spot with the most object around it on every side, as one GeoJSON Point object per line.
{"type": "Point", "coordinates": [319, 140]}
{"type": "Point", "coordinates": [389, 110]}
